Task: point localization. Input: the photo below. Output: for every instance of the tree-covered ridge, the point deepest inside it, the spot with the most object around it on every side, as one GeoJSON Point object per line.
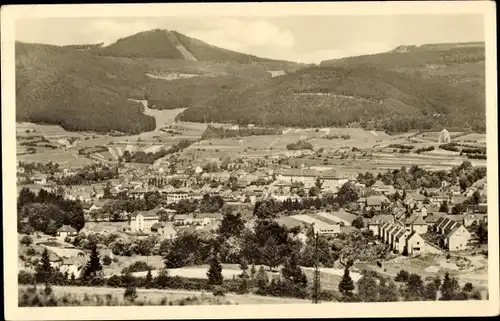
{"type": "Point", "coordinates": [78, 91]}
{"type": "Point", "coordinates": [336, 96]}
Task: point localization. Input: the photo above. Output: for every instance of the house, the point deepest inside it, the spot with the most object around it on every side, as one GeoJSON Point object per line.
{"type": "Point", "coordinates": [474, 219]}
{"type": "Point", "coordinates": [165, 230]}
{"type": "Point", "coordinates": [421, 210]}
{"type": "Point", "coordinates": [323, 228]}
{"type": "Point", "coordinates": [377, 221]}
{"type": "Point", "coordinates": [72, 266]}
{"type": "Point", "coordinates": [204, 219]}
{"type": "Point", "coordinates": [380, 187]}
{"type": "Point", "coordinates": [376, 202]}
{"type": "Point", "coordinates": [416, 223]}
{"type": "Point", "coordinates": [183, 219]}
{"type": "Point", "coordinates": [65, 231]}
{"type": "Point", "coordinates": [444, 137]}
{"type": "Point", "coordinates": [455, 236]}
{"type": "Point", "coordinates": [361, 202]}
{"type": "Point", "coordinates": [416, 244]}
{"type": "Point", "coordinates": [39, 179]}
{"type": "Point", "coordinates": [143, 220]}
{"type": "Point", "coordinates": [176, 197]}
{"type": "Point", "coordinates": [439, 198]}
{"type": "Point", "coordinates": [340, 216]}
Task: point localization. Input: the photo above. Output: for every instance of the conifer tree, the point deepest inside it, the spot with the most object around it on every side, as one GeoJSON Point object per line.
{"type": "Point", "coordinates": [215, 271]}
{"type": "Point", "coordinates": [253, 271]}
{"type": "Point", "coordinates": [93, 267]}
{"type": "Point", "coordinates": [130, 290]}
{"type": "Point", "coordinates": [346, 285]}
{"type": "Point", "coordinates": [448, 287]}
{"type": "Point", "coordinates": [148, 280]}
{"type": "Point", "coordinates": [44, 270]}
{"type": "Point", "coordinates": [261, 278]}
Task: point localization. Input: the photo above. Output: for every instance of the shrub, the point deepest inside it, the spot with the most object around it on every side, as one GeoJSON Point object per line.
{"type": "Point", "coordinates": [106, 260]}
{"type": "Point", "coordinates": [26, 240]}
{"type": "Point", "coordinates": [468, 287]}
{"type": "Point", "coordinates": [24, 277]}
{"type": "Point", "coordinates": [402, 276]}
{"type": "Point", "coordinates": [219, 291]}
{"type": "Point", "coordinates": [138, 266]}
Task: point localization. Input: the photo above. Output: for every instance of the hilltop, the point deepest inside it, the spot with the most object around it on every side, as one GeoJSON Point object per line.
{"type": "Point", "coordinates": [345, 96]}
{"type": "Point", "coordinates": [166, 44]}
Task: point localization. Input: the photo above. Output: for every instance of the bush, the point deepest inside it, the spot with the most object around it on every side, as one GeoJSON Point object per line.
{"type": "Point", "coordinates": [468, 287]}
{"type": "Point", "coordinates": [26, 240]}
{"type": "Point", "coordinates": [138, 266]}
{"type": "Point", "coordinates": [106, 260]}
{"type": "Point", "coordinates": [24, 277]}
{"type": "Point", "coordinates": [219, 291]}
{"type": "Point", "coordinates": [402, 276]}
{"type": "Point", "coordinates": [30, 251]}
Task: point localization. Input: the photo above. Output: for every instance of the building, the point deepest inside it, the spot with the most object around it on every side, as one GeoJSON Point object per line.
{"type": "Point", "coordinates": [183, 219]}
{"type": "Point", "coordinates": [376, 203]}
{"type": "Point", "coordinates": [143, 221]}
{"type": "Point", "coordinates": [176, 197]}
{"type": "Point", "coordinates": [380, 187]}
{"type": "Point", "coordinates": [165, 230]}
{"type": "Point", "coordinates": [205, 219]}
{"type": "Point", "coordinates": [39, 179]}
{"type": "Point", "coordinates": [327, 229]}
{"type": "Point", "coordinates": [455, 236]}
{"type": "Point", "coordinates": [377, 221]}
{"type": "Point", "coordinates": [474, 219]}
{"type": "Point", "coordinates": [65, 231]}
{"type": "Point", "coordinates": [340, 216]}
{"type": "Point", "coordinates": [444, 137]}
{"type": "Point", "coordinates": [416, 223]}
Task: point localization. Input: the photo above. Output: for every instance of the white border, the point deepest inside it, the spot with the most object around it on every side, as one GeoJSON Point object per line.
{"type": "Point", "coordinates": [9, 14]}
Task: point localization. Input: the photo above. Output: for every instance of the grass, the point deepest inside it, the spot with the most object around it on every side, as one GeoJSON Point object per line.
{"type": "Point", "coordinates": [92, 296]}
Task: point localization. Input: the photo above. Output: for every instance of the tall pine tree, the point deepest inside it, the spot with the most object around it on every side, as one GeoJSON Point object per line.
{"type": "Point", "coordinates": [215, 271]}
{"type": "Point", "coordinates": [93, 267]}
{"type": "Point", "coordinates": [44, 270]}
{"type": "Point", "coordinates": [346, 285]}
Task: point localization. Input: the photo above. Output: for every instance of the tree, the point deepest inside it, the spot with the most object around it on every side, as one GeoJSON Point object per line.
{"type": "Point", "coordinates": [149, 279]}
{"type": "Point", "coordinates": [448, 288]}
{"type": "Point", "coordinates": [388, 292]}
{"type": "Point", "coordinates": [430, 293]}
{"type": "Point", "coordinates": [130, 290]}
{"type": "Point", "coordinates": [368, 289]}
{"type": "Point", "coordinates": [261, 278]}
{"type": "Point", "coordinates": [346, 285]}
{"type": "Point", "coordinates": [106, 260]}
{"type": "Point", "coordinates": [468, 287]}
{"type": "Point", "coordinates": [402, 276]}
{"type": "Point", "coordinates": [444, 207]}
{"type": "Point", "coordinates": [253, 271]}
{"type": "Point", "coordinates": [358, 222]}
{"type": "Point", "coordinates": [93, 267]}
{"type": "Point", "coordinates": [44, 270]}
{"type": "Point", "coordinates": [293, 273]}
{"type": "Point", "coordinates": [231, 225]}
{"type": "Point", "coordinates": [26, 240]}
{"type": "Point", "coordinates": [346, 194]}
{"type": "Point", "coordinates": [271, 254]}
{"type": "Point", "coordinates": [215, 271]}
{"type": "Point", "coordinates": [482, 232]}
{"type": "Point", "coordinates": [414, 288]}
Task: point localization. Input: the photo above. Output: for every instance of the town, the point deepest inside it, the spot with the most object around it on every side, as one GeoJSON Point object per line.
{"type": "Point", "coordinates": [245, 217]}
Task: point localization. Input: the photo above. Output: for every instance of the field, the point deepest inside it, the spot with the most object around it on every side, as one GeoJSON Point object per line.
{"type": "Point", "coordinates": [155, 296]}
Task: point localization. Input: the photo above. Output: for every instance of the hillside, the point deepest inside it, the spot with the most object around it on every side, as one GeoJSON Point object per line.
{"type": "Point", "coordinates": [184, 93]}
{"type": "Point", "coordinates": [78, 91]}
{"type": "Point", "coordinates": [338, 96]}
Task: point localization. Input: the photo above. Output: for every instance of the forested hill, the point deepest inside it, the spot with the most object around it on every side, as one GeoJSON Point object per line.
{"type": "Point", "coordinates": [345, 96]}
{"type": "Point", "coordinates": [78, 91]}
{"type": "Point", "coordinates": [166, 44]}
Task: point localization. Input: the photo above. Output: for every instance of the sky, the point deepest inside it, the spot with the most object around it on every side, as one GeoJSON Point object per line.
{"type": "Point", "coordinates": [308, 39]}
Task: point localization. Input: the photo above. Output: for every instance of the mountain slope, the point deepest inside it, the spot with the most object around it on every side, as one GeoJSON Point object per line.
{"type": "Point", "coordinates": [78, 91]}
{"type": "Point", "coordinates": [337, 96]}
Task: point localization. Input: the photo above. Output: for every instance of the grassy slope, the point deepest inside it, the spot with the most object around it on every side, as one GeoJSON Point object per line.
{"type": "Point", "coordinates": [78, 90]}
{"type": "Point", "coordinates": [277, 102]}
